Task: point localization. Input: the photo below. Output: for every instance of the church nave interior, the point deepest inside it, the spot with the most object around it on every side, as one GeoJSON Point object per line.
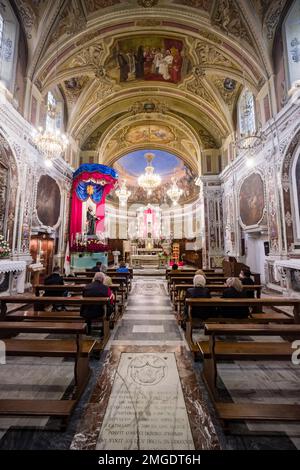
{"type": "Point", "coordinates": [149, 225]}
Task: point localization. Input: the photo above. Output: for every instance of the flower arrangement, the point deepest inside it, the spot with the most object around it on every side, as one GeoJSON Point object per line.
{"type": "Point", "coordinates": [89, 246]}
{"type": "Point", "coordinates": [4, 247]}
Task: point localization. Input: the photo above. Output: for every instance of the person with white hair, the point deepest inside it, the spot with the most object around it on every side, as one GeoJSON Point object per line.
{"type": "Point", "coordinates": [108, 280]}
{"type": "Point", "coordinates": [234, 290]}
{"type": "Point", "coordinates": [199, 291]}
{"type": "Point", "coordinates": [96, 289]}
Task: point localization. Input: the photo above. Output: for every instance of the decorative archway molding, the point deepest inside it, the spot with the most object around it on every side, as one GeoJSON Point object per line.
{"type": "Point", "coordinates": [185, 144]}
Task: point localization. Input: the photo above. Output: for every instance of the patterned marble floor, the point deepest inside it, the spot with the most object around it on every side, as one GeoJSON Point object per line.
{"type": "Point", "coordinates": [148, 326]}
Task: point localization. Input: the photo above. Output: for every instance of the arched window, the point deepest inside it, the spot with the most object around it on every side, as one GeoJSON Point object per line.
{"type": "Point", "coordinates": [9, 33]}
{"type": "Point", "coordinates": [54, 117]}
{"type": "Point", "coordinates": [291, 34]}
{"type": "Point", "coordinates": [246, 113]}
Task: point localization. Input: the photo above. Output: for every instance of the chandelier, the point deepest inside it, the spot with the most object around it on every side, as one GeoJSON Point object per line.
{"type": "Point", "coordinates": [123, 194]}
{"type": "Point", "coordinates": [249, 141]}
{"type": "Point", "coordinates": [249, 137]}
{"type": "Point", "coordinates": [51, 143]}
{"type": "Point", "coordinates": [174, 192]}
{"type": "Point", "coordinates": [149, 180]}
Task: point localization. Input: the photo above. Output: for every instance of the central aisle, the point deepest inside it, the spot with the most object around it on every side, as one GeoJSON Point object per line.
{"type": "Point", "coordinates": [147, 396]}
{"type": "Point", "coordinates": [149, 317]}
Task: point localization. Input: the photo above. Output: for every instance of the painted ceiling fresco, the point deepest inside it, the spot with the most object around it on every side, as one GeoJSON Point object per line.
{"type": "Point", "coordinates": [148, 58]}
{"type": "Point", "coordinates": [167, 165]}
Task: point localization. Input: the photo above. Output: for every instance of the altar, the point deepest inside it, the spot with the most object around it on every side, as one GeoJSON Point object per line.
{"type": "Point", "coordinates": [284, 275]}
{"type": "Point", "coordinates": [15, 272]}
{"type": "Point", "coordinates": [83, 261]}
{"type": "Point", "coordinates": [145, 260]}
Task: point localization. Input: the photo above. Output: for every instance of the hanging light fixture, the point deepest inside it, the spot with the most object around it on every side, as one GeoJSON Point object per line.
{"type": "Point", "coordinates": [123, 194]}
{"type": "Point", "coordinates": [51, 142]}
{"type": "Point", "coordinates": [149, 180]}
{"type": "Point", "coordinates": [174, 192]}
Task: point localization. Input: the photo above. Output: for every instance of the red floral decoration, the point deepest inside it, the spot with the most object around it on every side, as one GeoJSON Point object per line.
{"type": "Point", "coordinates": [89, 246]}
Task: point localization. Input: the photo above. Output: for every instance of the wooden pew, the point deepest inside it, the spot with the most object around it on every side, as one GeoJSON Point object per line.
{"type": "Point", "coordinates": [78, 289]}
{"type": "Point", "coordinates": [117, 279]}
{"type": "Point", "coordinates": [189, 280]}
{"type": "Point", "coordinates": [77, 349]}
{"type": "Point", "coordinates": [178, 297]}
{"type": "Point", "coordinates": [191, 271]}
{"type": "Point", "coordinates": [213, 351]}
{"type": "Point", "coordinates": [258, 304]}
{"type": "Point", "coordinates": [39, 302]}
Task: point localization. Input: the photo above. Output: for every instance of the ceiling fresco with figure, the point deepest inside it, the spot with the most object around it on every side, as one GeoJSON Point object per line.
{"type": "Point", "coordinates": [167, 165]}
{"type": "Point", "coordinates": [110, 59]}
{"type": "Point", "coordinates": [152, 58]}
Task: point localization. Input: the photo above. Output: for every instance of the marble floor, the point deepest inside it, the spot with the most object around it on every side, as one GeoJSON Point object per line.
{"type": "Point", "coordinates": [146, 392]}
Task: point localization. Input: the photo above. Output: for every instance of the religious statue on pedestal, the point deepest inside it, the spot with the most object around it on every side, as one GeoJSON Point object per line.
{"type": "Point", "coordinates": [91, 220]}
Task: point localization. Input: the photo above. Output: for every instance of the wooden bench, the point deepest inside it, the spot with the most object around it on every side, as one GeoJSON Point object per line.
{"type": "Point", "coordinates": [170, 272]}
{"type": "Point", "coordinates": [65, 315]}
{"type": "Point", "coordinates": [123, 282]}
{"type": "Point", "coordinates": [39, 302]}
{"type": "Point", "coordinates": [175, 280]}
{"type": "Point", "coordinates": [213, 351]}
{"type": "Point", "coordinates": [77, 349]}
{"type": "Point", "coordinates": [78, 289]}
{"type": "Point", "coordinates": [179, 290]}
{"type": "Point", "coordinates": [257, 304]}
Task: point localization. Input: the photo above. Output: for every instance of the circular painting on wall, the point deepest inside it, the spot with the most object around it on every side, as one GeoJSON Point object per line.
{"type": "Point", "coordinates": [48, 201]}
{"type": "Point", "coordinates": [252, 200]}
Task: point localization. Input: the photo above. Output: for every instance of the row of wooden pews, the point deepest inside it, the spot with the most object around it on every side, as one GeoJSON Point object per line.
{"type": "Point", "coordinates": [224, 345]}
{"type": "Point", "coordinates": [67, 323]}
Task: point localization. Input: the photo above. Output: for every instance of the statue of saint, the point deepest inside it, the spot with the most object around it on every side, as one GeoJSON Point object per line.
{"type": "Point", "coordinates": [91, 220]}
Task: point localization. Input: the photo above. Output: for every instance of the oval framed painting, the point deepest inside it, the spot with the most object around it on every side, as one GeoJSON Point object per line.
{"type": "Point", "coordinates": [252, 200]}
{"type": "Point", "coordinates": [48, 201]}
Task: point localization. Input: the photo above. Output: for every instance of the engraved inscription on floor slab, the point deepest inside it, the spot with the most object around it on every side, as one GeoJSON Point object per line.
{"type": "Point", "coordinates": [146, 409]}
{"type": "Point", "coordinates": [148, 329]}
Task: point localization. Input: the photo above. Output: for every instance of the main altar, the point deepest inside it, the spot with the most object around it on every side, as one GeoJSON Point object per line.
{"type": "Point", "coordinates": [91, 184]}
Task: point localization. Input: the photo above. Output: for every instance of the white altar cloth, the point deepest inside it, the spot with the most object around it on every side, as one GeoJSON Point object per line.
{"type": "Point", "coordinates": [18, 267]}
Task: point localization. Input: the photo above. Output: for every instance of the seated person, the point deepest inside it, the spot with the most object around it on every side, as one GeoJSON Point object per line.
{"type": "Point", "coordinates": [174, 267]}
{"type": "Point", "coordinates": [245, 278]}
{"type": "Point", "coordinates": [234, 291]}
{"type": "Point", "coordinates": [54, 279]}
{"type": "Point", "coordinates": [122, 268]}
{"type": "Point", "coordinates": [96, 289]}
{"type": "Point", "coordinates": [97, 268]}
{"type": "Point", "coordinates": [202, 273]}
{"type": "Point", "coordinates": [108, 280]}
{"type": "Point", "coordinates": [199, 291]}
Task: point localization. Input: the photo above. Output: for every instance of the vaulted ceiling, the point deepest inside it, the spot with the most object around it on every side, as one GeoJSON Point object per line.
{"type": "Point", "coordinates": [225, 45]}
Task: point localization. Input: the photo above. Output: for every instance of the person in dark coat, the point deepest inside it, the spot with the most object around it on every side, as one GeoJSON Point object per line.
{"type": "Point", "coordinates": [234, 291]}
{"type": "Point", "coordinates": [97, 268]}
{"type": "Point", "coordinates": [96, 289]}
{"type": "Point", "coordinates": [199, 291]}
{"type": "Point", "coordinates": [54, 279]}
{"type": "Point", "coordinates": [245, 278]}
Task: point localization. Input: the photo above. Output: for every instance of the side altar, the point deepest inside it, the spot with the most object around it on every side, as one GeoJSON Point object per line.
{"type": "Point", "coordinates": [91, 184]}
